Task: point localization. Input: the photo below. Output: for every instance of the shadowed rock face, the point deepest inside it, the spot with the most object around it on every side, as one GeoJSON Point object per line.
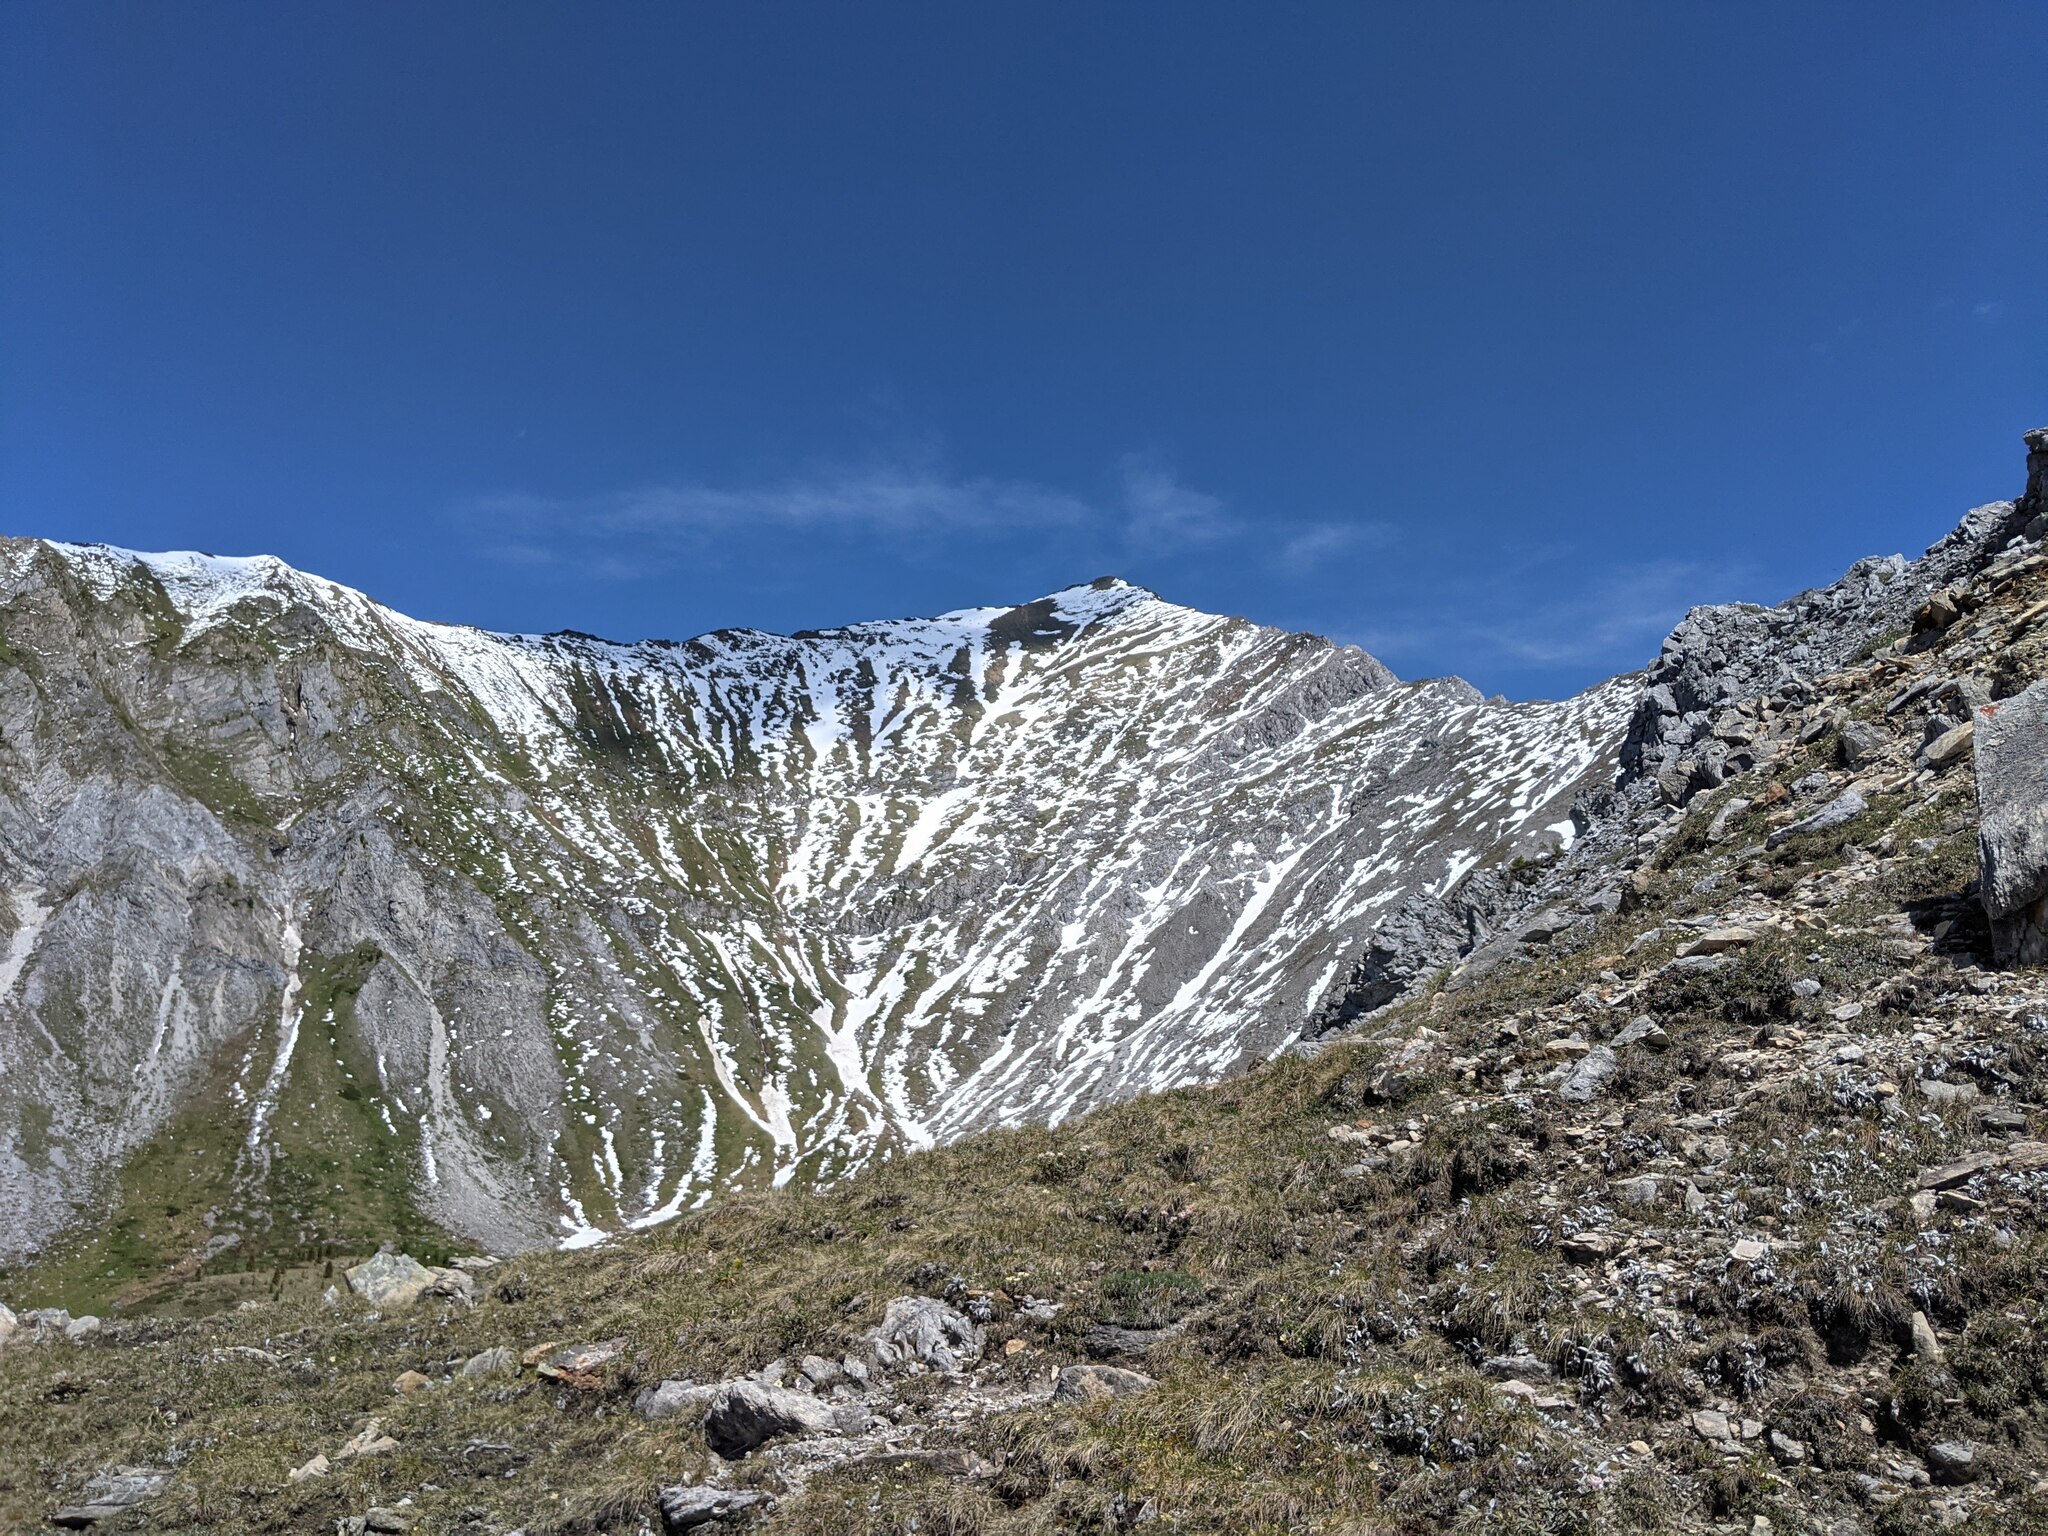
{"type": "Point", "coordinates": [321, 914]}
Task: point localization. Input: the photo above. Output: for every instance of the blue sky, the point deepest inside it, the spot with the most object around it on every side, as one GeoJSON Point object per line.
{"type": "Point", "coordinates": [1488, 336]}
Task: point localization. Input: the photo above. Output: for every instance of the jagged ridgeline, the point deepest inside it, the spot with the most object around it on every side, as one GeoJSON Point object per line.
{"type": "Point", "coordinates": [320, 925]}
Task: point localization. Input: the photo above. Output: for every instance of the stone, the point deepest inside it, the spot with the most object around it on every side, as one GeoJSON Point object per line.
{"type": "Point", "coordinates": [2012, 832]}
{"type": "Point", "coordinates": [1806, 986]}
{"type": "Point", "coordinates": [110, 1494]}
{"type": "Point", "coordinates": [1747, 1250]}
{"type": "Point", "coordinates": [496, 1361]}
{"type": "Point", "coordinates": [582, 1366]}
{"type": "Point", "coordinates": [370, 1440]}
{"type": "Point", "coordinates": [1946, 748]}
{"type": "Point", "coordinates": [1846, 1013]}
{"type": "Point", "coordinates": [319, 1466]}
{"type": "Point", "coordinates": [1953, 1461]}
{"type": "Point", "coordinates": [1640, 1190]}
{"type": "Point", "coordinates": [819, 1371]}
{"type": "Point", "coordinates": [686, 1507]}
{"type": "Point", "coordinates": [384, 1521]}
{"type": "Point", "coordinates": [922, 1329]}
{"type": "Point", "coordinates": [2025, 1156]}
{"type": "Point", "coordinates": [1644, 1031]}
{"type": "Point", "coordinates": [393, 1281]}
{"type": "Point", "coordinates": [1589, 1247]}
{"type": "Point", "coordinates": [2002, 1120]}
{"type": "Point", "coordinates": [80, 1329]}
{"type": "Point", "coordinates": [1711, 1424]}
{"type": "Point", "coordinates": [1937, 1092]}
{"type": "Point", "coordinates": [1860, 743]}
{"type": "Point", "coordinates": [1724, 819]}
{"type": "Point", "coordinates": [1925, 1345]}
{"type": "Point", "coordinates": [1589, 1074]}
{"type": "Point", "coordinates": [1094, 1383]}
{"type": "Point", "coordinates": [1522, 1367]}
{"type": "Point", "coordinates": [9, 1323]}
{"type": "Point", "coordinates": [673, 1399]}
{"type": "Point", "coordinates": [745, 1415]}
{"type": "Point", "coordinates": [1696, 965]}
{"type": "Point", "coordinates": [411, 1381]}
{"type": "Point", "coordinates": [1840, 811]}
{"type": "Point", "coordinates": [1784, 1449]}
{"type": "Point", "coordinates": [1717, 940]}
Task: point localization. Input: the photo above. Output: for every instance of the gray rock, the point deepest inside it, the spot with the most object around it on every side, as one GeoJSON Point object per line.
{"type": "Point", "coordinates": [1644, 1031]}
{"type": "Point", "coordinates": [1946, 748]}
{"type": "Point", "coordinates": [1724, 819]}
{"type": "Point", "coordinates": [496, 1361]}
{"type": "Point", "coordinates": [8, 1323]}
{"type": "Point", "coordinates": [2012, 836]}
{"type": "Point", "coordinates": [686, 1507]}
{"type": "Point", "coordinates": [1861, 743]}
{"type": "Point", "coordinates": [1925, 1345]}
{"type": "Point", "coordinates": [1093, 1383]}
{"type": "Point", "coordinates": [745, 1415]}
{"type": "Point", "coordinates": [1711, 1424]}
{"type": "Point", "coordinates": [1589, 1074]}
{"type": "Point", "coordinates": [1953, 1461]}
{"type": "Point", "coordinates": [1784, 1449]}
{"type": "Point", "coordinates": [110, 1494]}
{"type": "Point", "coordinates": [673, 1399]}
{"type": "Point", "coordinates": [1806, 986]}
{"type": "Point", "coordinates": [1840, 811]}
{"type": "Point", "coordinates": [923, 1329]}
{"type": "Point", "coordinates": [392, 1281]}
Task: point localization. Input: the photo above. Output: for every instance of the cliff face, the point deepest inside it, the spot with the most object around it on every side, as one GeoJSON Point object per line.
{"type": "Point", "coordinates": [320, 922]}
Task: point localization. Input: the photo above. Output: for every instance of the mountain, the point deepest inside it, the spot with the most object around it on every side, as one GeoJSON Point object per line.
{"type": "Point", "coordinates": [317, 921]}
{"type": "Point", "coordinates": [1690, 1180]}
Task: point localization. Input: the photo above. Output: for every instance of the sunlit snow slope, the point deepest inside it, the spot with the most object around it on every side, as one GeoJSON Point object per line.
{"type": "Point", "coordinates": [560, 935]}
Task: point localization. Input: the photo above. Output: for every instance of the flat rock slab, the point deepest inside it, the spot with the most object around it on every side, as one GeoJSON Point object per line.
{"type": "Point", "coordinates": [2019, 1156]}
{"type": "Point", "coordinates": [1093, 1383]}
{"type": "Point", "coordinates": [685, 1508]}
{"type": "Point", "coordinates": [582, 1366]}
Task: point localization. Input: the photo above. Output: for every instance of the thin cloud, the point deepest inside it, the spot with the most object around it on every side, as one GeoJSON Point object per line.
{"type": "Point", "coordinates": [1614, 620]}
{"type": "Point", "coordinates": [1163, 514]}
{"type": "Point", "coordinates": [1147, 511]}
{"type": "Point", "coordinates": [1314, 546]}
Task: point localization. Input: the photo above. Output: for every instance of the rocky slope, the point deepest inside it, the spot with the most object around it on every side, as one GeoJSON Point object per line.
{"type": "Point", "coordinates": [1722, 1206]}
{"type": "Point", "coordinates": [320, 922]}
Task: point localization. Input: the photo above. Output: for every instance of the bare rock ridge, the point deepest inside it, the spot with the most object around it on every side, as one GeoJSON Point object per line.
{"type": "Point", "coordinates": [335, 922]}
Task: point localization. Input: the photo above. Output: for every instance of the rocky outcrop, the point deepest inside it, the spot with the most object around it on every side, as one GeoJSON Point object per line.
{"type": "Point", "coordinates": [2012, 840]}
{"type": "Point", "coordinates": [746, 1415]}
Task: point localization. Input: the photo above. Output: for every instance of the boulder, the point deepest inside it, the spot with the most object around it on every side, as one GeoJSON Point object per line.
{"type": "Point", "coordinates": [673, 1399]}
{"type": "Point", "coordinates": [582, 1366]}
{"type": "Point", "coordinates": [684, 1507]}
{"type": "Point", "coordinates": [1644, 1031]}
{"type": "Point", "coordinates": [919, 1328]}
{"type": "Point", "coordinates": [1861, 743]}
{"type": "Point", "coordinates": [393, 1281]}
{"type": "Point", "coordinates": [2012, 835]}
{"type": "Point", "coordinates": [1953, 1461]}
{"type": "Point", "coordinates": [1589, 1074]}
{"type": "Point", "coordinates": [746, 1414]}
{"type": "Point", "coordinates": [498, 1361]}
{"type": "Point", "coordinates": [1946, 748]}
{"type": "Point", "coordinates": [1841, 810]}
{"type": "Point", "coordinates": [110, 1494]}
{"type": "Point", "coordinates": [9, 1323]}
{"type": "Point", "coordinates": [1093, 1383]}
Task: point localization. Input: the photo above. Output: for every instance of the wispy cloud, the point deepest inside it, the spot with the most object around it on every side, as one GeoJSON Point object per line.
{"type": "Point", "coordinates": [1312, 547]}
{"type": "Point", "coordinates": [1612, 618]}
{"type": "Point", "coordinates": [1143, 512]}
{"type": "Point", "coordinates": [1162, 513]}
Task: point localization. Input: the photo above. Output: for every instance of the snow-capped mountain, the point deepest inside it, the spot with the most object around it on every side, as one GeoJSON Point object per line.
{"type": "Point", "coordinates": [341, 913]}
